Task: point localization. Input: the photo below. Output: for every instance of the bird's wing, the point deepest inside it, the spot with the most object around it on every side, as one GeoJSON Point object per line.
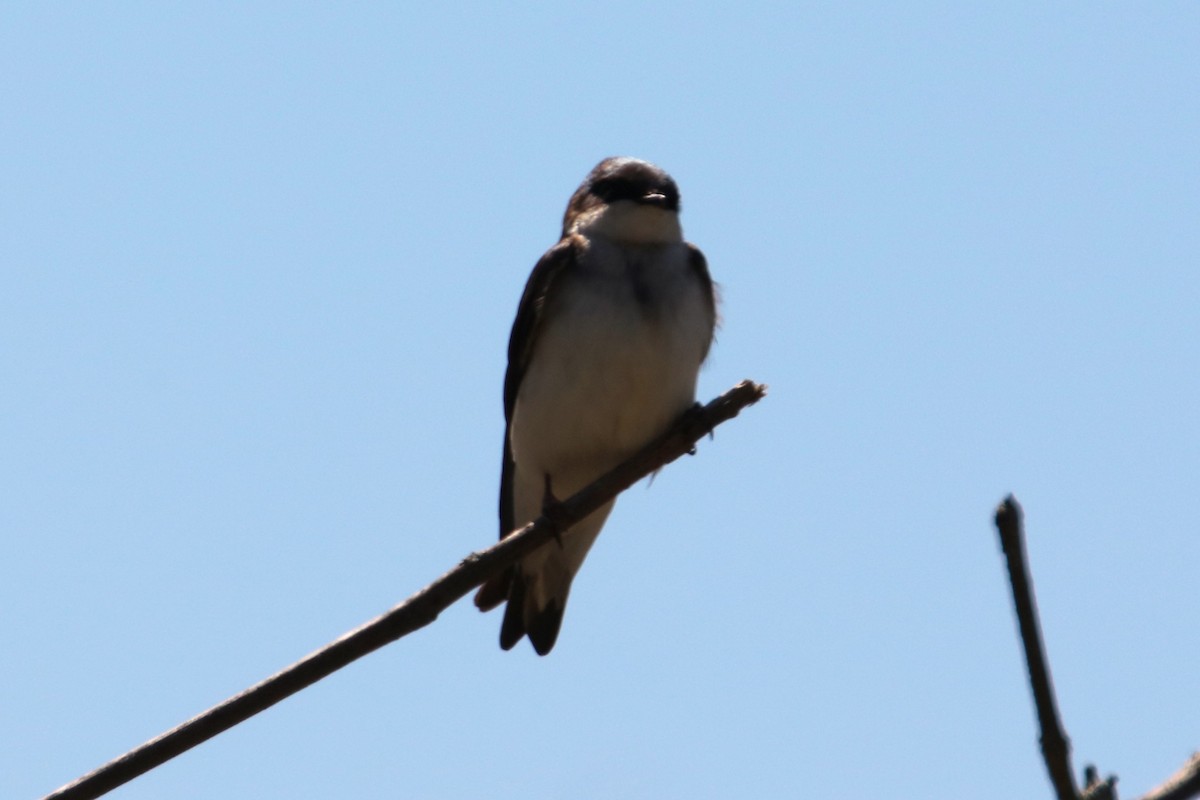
{"type": "Point", "coordinates": [538, 289]}
{"type": "Point", "coordinates": [699, 265]}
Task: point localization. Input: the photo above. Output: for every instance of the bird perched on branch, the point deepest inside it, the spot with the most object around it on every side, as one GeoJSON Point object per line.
{"type": "Point", "coordinates": [611, 331]}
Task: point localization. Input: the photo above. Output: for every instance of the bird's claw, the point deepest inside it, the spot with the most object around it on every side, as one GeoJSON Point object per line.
{"type": "Point", "coordinates": [692, 417]}
{"type": "Point", "coordinates": [552, 510]}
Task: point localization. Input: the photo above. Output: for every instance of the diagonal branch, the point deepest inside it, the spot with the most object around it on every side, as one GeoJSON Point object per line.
{"type": "Point", "coordinates": [418, 610]}
{"type": "Point", "coordinates": [1056, 747]}
{"type": "Point", "coordinates": [1182, 785]}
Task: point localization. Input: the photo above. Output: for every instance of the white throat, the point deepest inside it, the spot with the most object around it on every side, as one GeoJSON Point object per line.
{"type": "Point", "coordinates": [629, 222]}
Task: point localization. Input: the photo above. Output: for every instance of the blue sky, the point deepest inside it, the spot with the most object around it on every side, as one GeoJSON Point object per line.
{"type": "Point", "coordinates": [259, 266]}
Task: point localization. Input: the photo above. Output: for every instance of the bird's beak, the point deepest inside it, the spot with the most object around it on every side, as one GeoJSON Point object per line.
{"type": "Point", "coordinates": [655, 199]}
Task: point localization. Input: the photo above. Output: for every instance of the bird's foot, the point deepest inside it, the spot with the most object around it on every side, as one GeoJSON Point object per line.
{"type": "Point", "coordinates": [692, 418]}
{"type": "Point", "coordinates": [552, 510]}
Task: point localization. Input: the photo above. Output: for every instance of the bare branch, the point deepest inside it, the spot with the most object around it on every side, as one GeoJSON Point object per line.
{"type": "Point", "coordinates": [1056, 747]}
{"type": "Point", "coordinates": [420, 609]}
{"type": "Point", "coordinates": [1182, 785]}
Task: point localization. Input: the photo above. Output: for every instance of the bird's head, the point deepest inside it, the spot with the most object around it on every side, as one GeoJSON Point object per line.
{"type": "Point", "coordinates": [626, 200]}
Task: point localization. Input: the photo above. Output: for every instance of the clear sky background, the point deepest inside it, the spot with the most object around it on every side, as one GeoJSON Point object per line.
{"type": "Point", "coordinates": [258, 270]}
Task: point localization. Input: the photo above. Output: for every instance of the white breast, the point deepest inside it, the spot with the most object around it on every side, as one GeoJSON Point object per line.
{"type": "Point", "coordinates": [615, 362]}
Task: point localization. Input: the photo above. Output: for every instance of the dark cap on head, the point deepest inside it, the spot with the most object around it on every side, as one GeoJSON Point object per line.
{"type": "Point", "coordinates": [623, 178]}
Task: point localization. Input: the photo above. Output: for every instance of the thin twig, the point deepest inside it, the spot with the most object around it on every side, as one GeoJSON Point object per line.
{"type": "Point", "coordinates": [1097, 788]}
{"type": "Point", "coordinates": [1183, 785]}
{"type": "Point", "coordinates": [420, 609]}
{"type": "Point", "coordinates": [1056, 747]}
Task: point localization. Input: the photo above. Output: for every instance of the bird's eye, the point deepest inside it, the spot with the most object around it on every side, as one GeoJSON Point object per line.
{"type": "Point", "coordinates": [606, 188]}
{"type": "Point", "coordinates": [615, 188]}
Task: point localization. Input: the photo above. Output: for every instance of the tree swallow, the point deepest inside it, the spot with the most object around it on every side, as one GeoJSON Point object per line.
{"type": "Point", "coordinates": [611, 331]}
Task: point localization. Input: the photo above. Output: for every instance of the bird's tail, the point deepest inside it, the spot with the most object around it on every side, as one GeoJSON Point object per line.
{"type": "Point", "coordinates": [532, 610]}
{"type": "Point", "coordinates": [528, 614]}
{"type": "Point", "coordinates": [536, 589]}
{"type": "Point", "coordinates": [494, 591]}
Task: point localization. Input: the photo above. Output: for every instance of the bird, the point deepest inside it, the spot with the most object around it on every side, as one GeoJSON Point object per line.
{"type": "Point", "coordinates": [612, 328]}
